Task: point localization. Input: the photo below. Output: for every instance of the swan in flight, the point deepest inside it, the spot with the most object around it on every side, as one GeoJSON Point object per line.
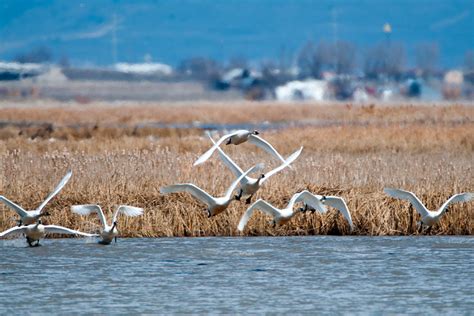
{"type": "Point", "coordinates": [109, 232]}
{"type": "Point", "coordinates": [215, 205]}
{"type": "Point", "coordinates": [248, 185]}
{"type": "Point", "coordinates": [333, 201]}
{"type": "Point", "coordinates": [428, 218]}
{"type": "Point", "coordinates": [31, 217]}
{"type": "Point", "coordinates": [35, 232]}
{"type": "Point", "coordinates": [281, 216]}
{"type": "Point", "coordinates": [239, 137]}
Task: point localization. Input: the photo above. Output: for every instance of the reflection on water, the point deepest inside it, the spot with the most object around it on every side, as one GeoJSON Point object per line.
{"type": "Point", "coordinates": [228, 275]}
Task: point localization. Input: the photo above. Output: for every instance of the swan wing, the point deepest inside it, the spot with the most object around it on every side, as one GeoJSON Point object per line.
{"type": "Point", "coordinates": [88, 209]}
{"type": "Point", "coordinates": [54, 229]}
{"type": "Point", "coordinates": [308, 198]}
{"type": "Point", "coordinates": [209, 152]}
{"type": "Point", "coordinates": [410, 196]}
{"type": "Point", "coordinates": [287, 162]}
{"type": "Point", "coordinates": [228, 161]}
{"type": "Point", "coordinates": [261, 205]}
{"type": "Point", "coordinates": [56, 190]}
{"type": "Point", "coordinates": [15, 207]}
{"type": "Point", "coordinates": [192, 189]}
{"type": "Point", "coordinates": [339, 204]}
{"type": "Point", "coordinates": [263, 144]}
{"type": "Point", "coordinates": [237, 181]}
{"type": "Point", "coordinates": [13, 231]}
{"type": "Point", "coordinates": [461, 197]}
{"type": "Point", "coordinates": [128, 211]}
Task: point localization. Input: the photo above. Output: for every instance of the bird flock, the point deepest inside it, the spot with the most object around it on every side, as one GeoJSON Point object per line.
{"type": "Point", "coordinates": [30, 224]}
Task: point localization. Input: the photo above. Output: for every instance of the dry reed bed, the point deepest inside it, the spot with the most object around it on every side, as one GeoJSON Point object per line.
{"type": "Point", "coordinates": [434, 161]}
{"type": "Point", "coordinates": [228, 112]}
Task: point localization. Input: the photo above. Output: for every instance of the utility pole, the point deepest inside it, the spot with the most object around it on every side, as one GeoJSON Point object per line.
{"type": "Point", "coordinates": [114, 39]}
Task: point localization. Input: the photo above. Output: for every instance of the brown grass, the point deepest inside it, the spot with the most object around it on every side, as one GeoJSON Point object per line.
{"type": "Point", "coordinates": [428, 150]}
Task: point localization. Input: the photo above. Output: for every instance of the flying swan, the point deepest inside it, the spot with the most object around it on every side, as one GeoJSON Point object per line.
{"type": "Point", "coordinates": [281, 216]}
{"type": "Point", "coordinates": [239, 137]}
{"type": "Point", "coordinates": [31, 217]}
{"type": "Point", "coordinates": [248, 185]}
{"type": "Point", "coordinates": [35, 232]}
{"type": "Point", "coordinates": [428, 218]}
{"type": "Point", "coordinates": [109, 232]}
{"type": "Point", "coordinates": [215, 205]}
{"type": "Point", "coordinates": [333, 201]}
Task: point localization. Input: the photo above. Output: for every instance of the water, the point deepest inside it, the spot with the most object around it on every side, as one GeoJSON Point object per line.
{"type": "Point", "coordinates": [240, 275]}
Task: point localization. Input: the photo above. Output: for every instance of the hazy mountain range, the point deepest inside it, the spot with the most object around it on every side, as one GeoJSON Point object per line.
{"type": "Point", "coordinates": [170, 31]}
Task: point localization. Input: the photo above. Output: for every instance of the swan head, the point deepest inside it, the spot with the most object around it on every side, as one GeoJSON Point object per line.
{"type": "Point", "coordinates": [255, 132]}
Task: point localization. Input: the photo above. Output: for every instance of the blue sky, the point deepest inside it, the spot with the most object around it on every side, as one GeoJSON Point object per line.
{"type": "Point", "coordinates": [170, 31]}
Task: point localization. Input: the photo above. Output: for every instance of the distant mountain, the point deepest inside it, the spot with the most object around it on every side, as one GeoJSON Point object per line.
{"type": "Point", "coordinates": [171, 30]}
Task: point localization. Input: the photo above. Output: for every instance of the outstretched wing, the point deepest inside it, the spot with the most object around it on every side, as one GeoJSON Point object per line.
{"type": "Point", "coordinates": [127, 210]}
{"type": "Point", "coordinates": [407, 195]}
{"type": "Point", "coordinates": [18, 209]}
{"type": "Point", "coordinates": [461, 197]}
{"type": "Point", "coordinates": [236, 181]}
{"type": "Point", "coordinates": [56, 190]}
{"type": "Point", "coordinates": [208, 153]}
{"type": "Point", "coordinates": [287, 162]}
{"type": "Point", "coordinates": [194, 190]}
{"type": "Point", "coordinates": [88, 209]}
{"type": "Point", "coordinates": [263, 144]}
{"type": "Point", "coordinates": [261, 205]}
{"type": "Point", "coordinates": [339, 204]}
{"type": "Point", "coordinates": [308, 198]}
{"type": "Point", "coordinates": [13, 231]}
{"type": "Point", "coordinates": [228, 162]}
{"type": "Point", "coordinates": [54, 229]}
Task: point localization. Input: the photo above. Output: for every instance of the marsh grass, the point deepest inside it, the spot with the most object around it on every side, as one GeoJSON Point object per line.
{"type": "Point", "coordinates": [425, 150]}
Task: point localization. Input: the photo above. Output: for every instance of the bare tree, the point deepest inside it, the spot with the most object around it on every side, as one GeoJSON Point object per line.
{"type": "Point", "coordinates": [469, 66]}
{"type": "Point", "coordinates": [40, 54]}
{"type": "Point", "coordinates": [385, 59]}
{"type": "Point", "coordinates": [427, 56]}
{"type": "Point", "coordinates": [344, 57]}
{"type": "Point", "coordinates": [339, 57]}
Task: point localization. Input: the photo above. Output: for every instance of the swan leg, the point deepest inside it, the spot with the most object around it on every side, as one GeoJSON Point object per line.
{"type": "Point", "coordinates": [429, 230]}
{"type": "Point", "coordinates": [237, 197]}
{"type": "Point", "coordinates": [248, 200]}
{"type": "Point", "coordinates": [115, 238]}
{"type": "Point", "coordinates": [421, 228]}
{"type": "Point", "coordinates": [29, 241]}
{"type": "Point", "coordinates": [20, 222]}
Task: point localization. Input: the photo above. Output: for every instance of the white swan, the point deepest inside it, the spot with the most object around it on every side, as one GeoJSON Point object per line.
{"type": "Point", "coordinates": [281, 216]}
{"type": "Point", "coordinates": [334, 201]}
{"type": "Point", "coordinates": [31, 217]}
{"type": "Point", "coordinates": [248, 185]}
{"type": "Point", "coordinates": [215, 205]}
{"type": "Point", "coordinates": [109, 232]}
{"type": "Point", "coordinates": [35, 232]}
{"type": "Point", "coordinates": [239, 137]}
{"type": "Point", "coordinates": [428, 218]}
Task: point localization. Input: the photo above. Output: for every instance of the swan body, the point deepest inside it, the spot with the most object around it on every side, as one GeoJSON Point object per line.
{"type": "Point", "coordinates": [31, 217]}
{"type": "Point", "coordinates": [237, 138]}
{"type": "Point", "coordinates": [281, 216]}
{"type": "Point", "coordinates": [333, 201]}
{"type": "Point", "coordinates": [248, 185]}
{"type": "Point", "coordinates": [108, 232]}
{"type": "Point", "coordinates": [215, 205]}
{"type": "Point", "coordinates": [428, 218]}
{"type": "Point", "coordinates": [35, 232]}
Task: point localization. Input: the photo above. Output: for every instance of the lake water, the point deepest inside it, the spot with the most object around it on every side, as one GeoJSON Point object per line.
{"type": "Point", "coordinates": [240, 275]}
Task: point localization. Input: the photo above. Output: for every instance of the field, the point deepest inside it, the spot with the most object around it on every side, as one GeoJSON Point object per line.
{"type": "Point", "coordinates": [118, 156]}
